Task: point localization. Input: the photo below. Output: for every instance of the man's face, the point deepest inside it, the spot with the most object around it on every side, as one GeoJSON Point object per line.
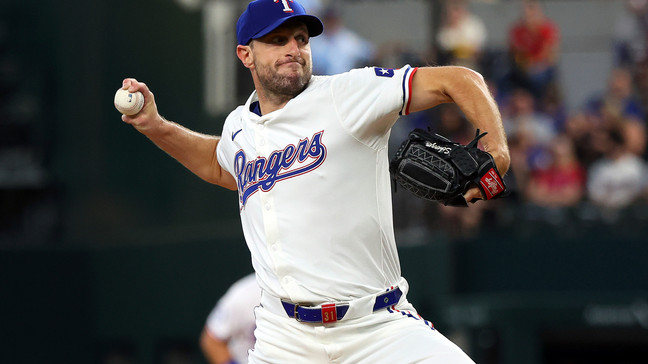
{"type": "Point", "coordinates": [282, 59]}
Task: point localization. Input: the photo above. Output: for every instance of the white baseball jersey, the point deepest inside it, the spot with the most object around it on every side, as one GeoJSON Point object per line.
{"type": "Point", "coordinates": [232, 319]}
{"type": "Point", "coordinates": [314, 185]}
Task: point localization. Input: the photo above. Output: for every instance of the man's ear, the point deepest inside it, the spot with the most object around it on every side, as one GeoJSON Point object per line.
{"type": "Point", "coordinates": [244, 53]}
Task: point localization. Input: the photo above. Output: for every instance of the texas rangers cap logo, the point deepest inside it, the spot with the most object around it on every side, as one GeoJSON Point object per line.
{"type": "Point", "coordinates": [263, 16]}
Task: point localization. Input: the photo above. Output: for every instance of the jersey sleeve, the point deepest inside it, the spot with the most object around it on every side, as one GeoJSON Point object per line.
{"type": "Point", "coordinates": [225, 149]}
{"type": "Point", "coordinates": [370, 100]}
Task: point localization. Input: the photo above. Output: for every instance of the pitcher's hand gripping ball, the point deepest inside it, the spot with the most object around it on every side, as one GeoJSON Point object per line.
{"type": "Point", "coordinates": [128, 103]}
{"type": "Point", "coordinates": [437, 169]}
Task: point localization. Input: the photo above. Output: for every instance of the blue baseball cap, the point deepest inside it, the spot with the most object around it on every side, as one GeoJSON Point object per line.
{"type": "Point", "coordinates": [263, 16]}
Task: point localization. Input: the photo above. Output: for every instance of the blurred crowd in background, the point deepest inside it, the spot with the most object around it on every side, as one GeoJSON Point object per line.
{"type": "Point", "coordinates": [567, 165]}
{"type": "Point", "coordinates": [588, 163]}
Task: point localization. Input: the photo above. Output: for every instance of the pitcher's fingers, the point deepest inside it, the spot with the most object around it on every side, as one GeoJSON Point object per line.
{"type": "Point", "coordinates": [132, 85]}
{"type": "Point", "coordinates": [473, 195]}
{"type": "Point", "coordinates": [127, 82]}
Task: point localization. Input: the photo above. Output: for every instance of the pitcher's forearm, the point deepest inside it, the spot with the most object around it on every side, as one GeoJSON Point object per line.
{"type": "Point", "coordinates": [466, 88]}
{"type": "Point", "coordinates": [195, 151]}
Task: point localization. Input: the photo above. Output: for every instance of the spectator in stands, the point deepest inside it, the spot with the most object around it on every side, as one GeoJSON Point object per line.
{"type": "Point", "coordinates": [631, 47]}
{"type": "Point", "coordinates": [522, 121]}
{"type": "Point", "coordinates": [461, 37]}
{"type": "Point", "coordinates": [617, 101]}
{"type": "Point", "coordinates": [619, 178]}
{"type": "Point", "coordinates": [618, 108]}
{"type": "Point", "coordinates": [339, 49]}
{"type": "Point", "coordinates": [640, 77]}
{"type": "Point", "coordinates": [634, 133]}
{"type": "Point", "coordinates": [631, 34]}
{"type": "Point", "coordinates": [562, 182]}
{"type": "Point", "coordinates": [452, 124]}
{"type": "Point", "coordinates": [553, 105]}
{"type": "Point", "coordinates": [533, 45]}
{"type": "Point", "coordinates": [529, 133]}
{"type": "Point", "coordinates": [579, 130]}
{"type": "Point", "coordinates": [518, 147]}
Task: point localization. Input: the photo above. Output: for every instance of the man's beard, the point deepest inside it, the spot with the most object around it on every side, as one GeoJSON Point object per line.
{"type": "Point", "coordinates": [284, 86]}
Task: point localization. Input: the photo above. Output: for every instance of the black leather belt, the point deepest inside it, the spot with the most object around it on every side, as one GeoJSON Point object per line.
{"type": "Point", "coordinates": [332, 312]}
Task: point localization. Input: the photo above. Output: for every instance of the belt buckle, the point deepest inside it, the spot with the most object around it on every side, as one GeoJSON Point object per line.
{"type": "Point", "coordinates": [296, 313]}
{"type": "Point", "coordinates": [326, 313]}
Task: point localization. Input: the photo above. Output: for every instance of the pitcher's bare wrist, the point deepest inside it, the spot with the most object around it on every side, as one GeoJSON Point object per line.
{"type": "Point", "coordinates": [502, 160]}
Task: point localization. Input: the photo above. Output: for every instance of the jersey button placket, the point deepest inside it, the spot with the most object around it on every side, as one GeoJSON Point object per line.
{"type": "Point", "coordinates": [261, 139]}
{"type": "Point", "coordinates": [267, 206]}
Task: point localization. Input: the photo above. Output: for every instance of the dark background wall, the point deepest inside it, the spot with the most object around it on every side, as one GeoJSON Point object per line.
{"type": "Point", "coordinates": [505, 300]}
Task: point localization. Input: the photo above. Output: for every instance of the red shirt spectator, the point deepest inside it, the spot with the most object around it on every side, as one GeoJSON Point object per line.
{"type": "Point", "coordinates": [562, 183]}
{"type": "Point", "coordinates": [534, 39]}
{"type": "Point", "coordinates": [533, 44]}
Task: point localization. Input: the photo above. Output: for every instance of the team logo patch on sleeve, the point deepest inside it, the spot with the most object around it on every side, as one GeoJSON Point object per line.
{"type": "Point", "coordinates": [384, 72]}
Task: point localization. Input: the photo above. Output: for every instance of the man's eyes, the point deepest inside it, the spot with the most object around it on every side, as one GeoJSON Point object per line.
{"type": "Point", "coordinates": [283, 40]}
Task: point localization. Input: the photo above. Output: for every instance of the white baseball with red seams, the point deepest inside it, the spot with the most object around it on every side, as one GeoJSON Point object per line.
{"type": "Point", "coordinates": [128, 103]}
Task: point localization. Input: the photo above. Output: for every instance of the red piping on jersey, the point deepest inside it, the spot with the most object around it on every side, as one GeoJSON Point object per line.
{"type": "Point", "coordinates": [409, 90]}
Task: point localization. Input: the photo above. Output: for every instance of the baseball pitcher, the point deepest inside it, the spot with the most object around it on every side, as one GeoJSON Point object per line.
{"type": "Point", "coordinates": [308, 158]}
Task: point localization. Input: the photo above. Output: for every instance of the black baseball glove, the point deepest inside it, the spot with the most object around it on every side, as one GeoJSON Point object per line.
{"type": "Point", "coordinates": [438, 169]}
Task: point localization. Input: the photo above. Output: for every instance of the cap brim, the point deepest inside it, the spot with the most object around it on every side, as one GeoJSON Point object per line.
{"type": "Point", "coordinates": [314, 25]}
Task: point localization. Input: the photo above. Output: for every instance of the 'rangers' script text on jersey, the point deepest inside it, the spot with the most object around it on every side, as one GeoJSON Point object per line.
{"type": "Point", "coordinates": [263, 173]}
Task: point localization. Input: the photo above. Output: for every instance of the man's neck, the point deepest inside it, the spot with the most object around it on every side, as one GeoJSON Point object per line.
{"type": "Point", "coordinates": [271, 102]}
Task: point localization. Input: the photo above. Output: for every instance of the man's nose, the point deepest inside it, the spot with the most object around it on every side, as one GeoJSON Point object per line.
{"type": "Point", "coordinates": [292, 47]}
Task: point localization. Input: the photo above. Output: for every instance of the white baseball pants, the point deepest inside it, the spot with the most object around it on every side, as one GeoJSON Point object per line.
{"type": "Point", "coordinates": [394, 336]}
